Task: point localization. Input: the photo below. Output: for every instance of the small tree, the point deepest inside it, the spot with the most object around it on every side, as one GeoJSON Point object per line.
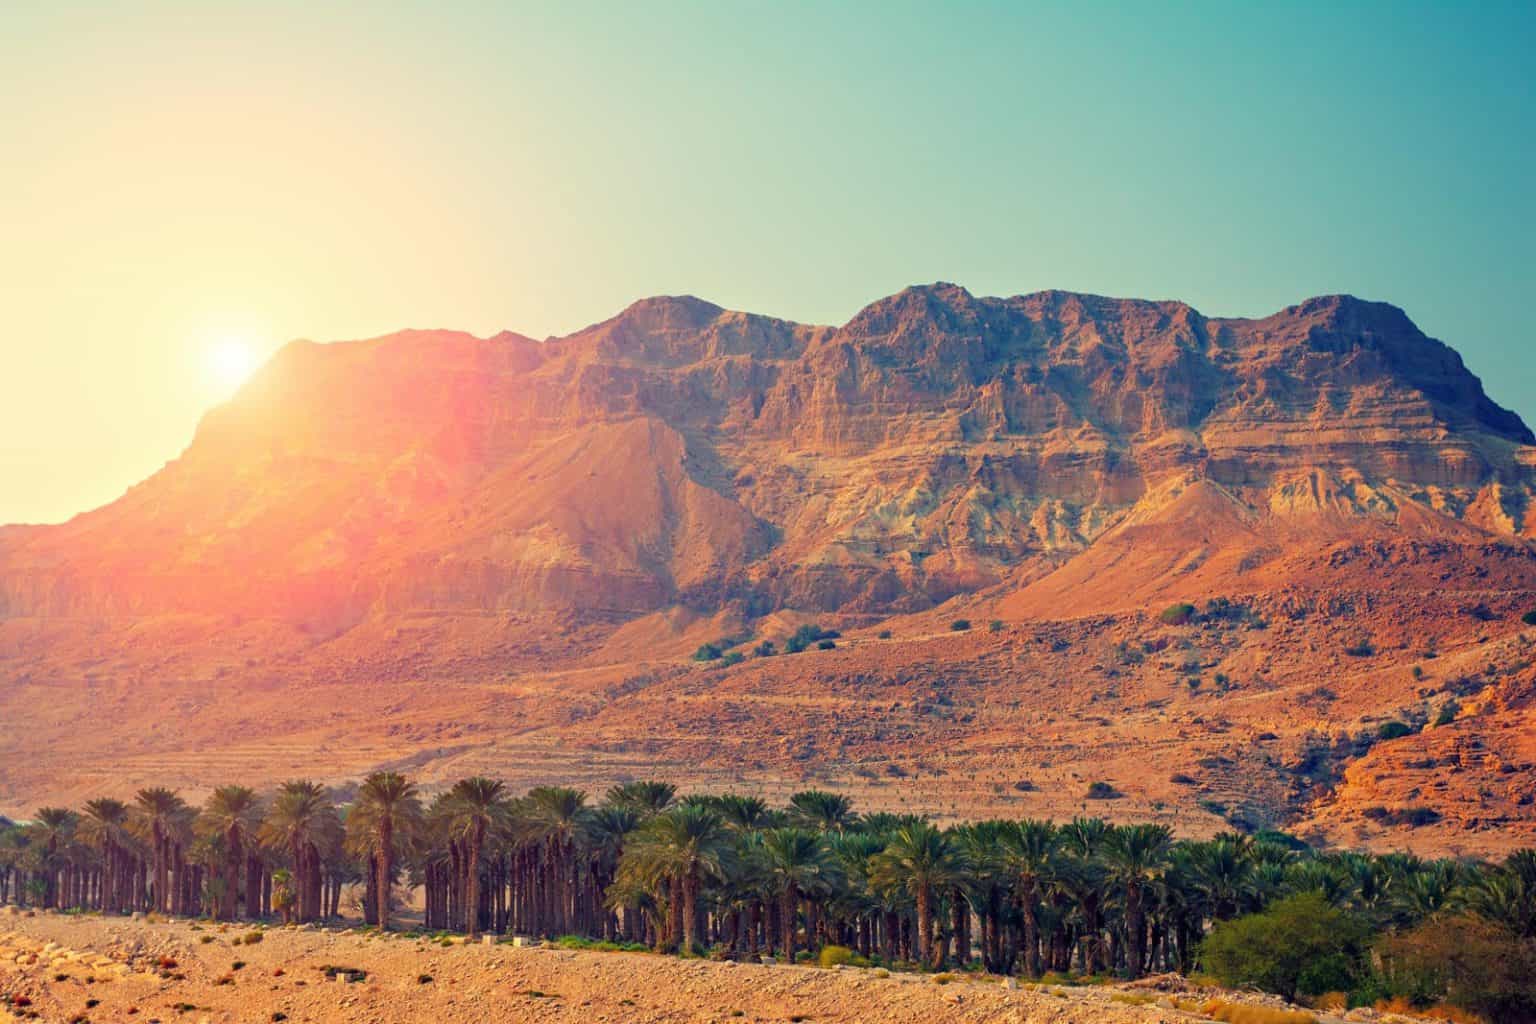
{"type": "Point", "coordinates": [1181, 614]}
{"type": "Point", "coordinates": [1469, 962]}
{"type": "Point", "coordinates": [960, 625]}
{"type": "Point", "coordinates": [1299, 943]}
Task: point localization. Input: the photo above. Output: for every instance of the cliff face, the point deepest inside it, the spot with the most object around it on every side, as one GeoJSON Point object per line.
{"type": "Point", "coordinates": [936, 444]}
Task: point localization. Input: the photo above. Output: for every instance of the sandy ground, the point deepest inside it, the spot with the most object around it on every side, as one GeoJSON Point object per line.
{"type": "Point", "coordinates": [89, 969]}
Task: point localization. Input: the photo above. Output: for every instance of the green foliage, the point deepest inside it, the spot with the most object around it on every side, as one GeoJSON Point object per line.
{"type": "Point", "coordinates": [1102, 791]}
{"type": "Point", "coordinates": [733, 658]}
{"type": "Point", "coordinates": [1298, 943]}
{"type": "Point", "coordinates": [1529, 618]}
{"type": "Point", "coordinates": [1393, 730]}
{"type": "Point", "coordinates": [1181, 614]}
{"type": "Point", "coordinates": [884, 634]}
{"type": "Point", "coordinates": [960, 625]}
{"type": "Point", "coordinates": [1448, 713]}
{"type": "Point", "coordinates": [707, 652]}
{"type": "Point", "coordinates": [826, 645]}
{"type": "Point", "coordinates": [807, 635]}
{"type": "Point", "coordinates": [840, 956]}
{"type": "Point", "coordinates": [996, 625]}
{"type": "Point", "coordinates": [765, 649]}
{"type": "Point", "coordinates": [1363, 649]}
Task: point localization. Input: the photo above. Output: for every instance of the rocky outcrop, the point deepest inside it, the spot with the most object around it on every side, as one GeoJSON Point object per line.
{"type": "Point", "coordinates": [936, 444]}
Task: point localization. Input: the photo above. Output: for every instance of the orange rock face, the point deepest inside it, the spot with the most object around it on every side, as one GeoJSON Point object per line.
{"type": "Point", "coordinates": [437, 548]}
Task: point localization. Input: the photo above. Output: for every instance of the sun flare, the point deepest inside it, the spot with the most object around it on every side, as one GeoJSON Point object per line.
{"type": "Point", "coordinates": [228, 362]}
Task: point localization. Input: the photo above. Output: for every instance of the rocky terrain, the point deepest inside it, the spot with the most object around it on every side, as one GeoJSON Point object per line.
{"type": "Point", "coordinates": [454, 554]}
{"type": "Point", "coordinates": [89, 968]}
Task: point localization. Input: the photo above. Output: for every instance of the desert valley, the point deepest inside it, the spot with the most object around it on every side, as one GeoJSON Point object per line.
{"type": "Point", "coordinates": [1046, 555]}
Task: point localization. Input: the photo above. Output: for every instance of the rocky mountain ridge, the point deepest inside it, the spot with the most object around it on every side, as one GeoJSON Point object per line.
{"type": "Point", "coordinates": [682, 454]}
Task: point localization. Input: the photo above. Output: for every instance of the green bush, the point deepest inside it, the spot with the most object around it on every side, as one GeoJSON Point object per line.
{"type": "Point", "coordinates": [1180, 614]}
{"type": "Point", "coordinates": [884, 634]}
{"type": "Point", "coordinates": [1102, 791]}
{"type": "Point", "coordinates": [807, 635]}
{"type": "Point", "coordinates": [1363, 649]}
{"type": "Point", "coordinates": [960, 625]}
{"type": "Point", "coordinates": [707, 652]}
{"type": "Point", "coordinates": [733, 658]}
{"type": "Point", "coordinates": [1448, 713]}
{"type": "Point", "coordinates": [1529, 618]}
{"type": "Point", "coordinates": [1393, 730]}
{"type": "Point", "coordinates": [826, 645]}
{"type": "Point", "coordinates": [834, 956]}
{"type": "Point", "coordinates": [765, 649]}
{"type": "Point", "coordinates": [1297, 944]}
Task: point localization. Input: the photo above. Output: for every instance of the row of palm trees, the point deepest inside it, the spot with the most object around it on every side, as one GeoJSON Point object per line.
{"type": "Point", "coordinates": [727, 874]}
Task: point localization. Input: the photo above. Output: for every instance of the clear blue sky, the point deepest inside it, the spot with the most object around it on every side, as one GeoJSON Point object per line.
{"type": "Point", "coordinates": [173, 175]}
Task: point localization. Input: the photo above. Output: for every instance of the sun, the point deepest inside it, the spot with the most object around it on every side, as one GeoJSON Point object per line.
{"type": "Point", "coordinates": [229, 362]}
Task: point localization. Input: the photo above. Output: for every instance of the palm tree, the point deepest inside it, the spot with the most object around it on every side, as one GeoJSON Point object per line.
{"type": "Point", "coordinates": [645, 797]}
{"type": "Point", "coordinates": [53, 830]}
{"type": "Point", "coordinates": [686, 845]}
{"type": "Point", "coordinates": [160, 811]}
{"type": "Point", "coordinates": [387, 812]}
{"type": "Point", "coordinates": [607, 830]}
{"type": "Point", "coordinates": [106, 824]}
{"type": "Point", "coordinates": [1507, 895]}
{"type": "Point", "coordinates": [302, 820]}
{"type": "Point", "coordinates": [1029, 849]}
{"type": "Point", "coordinates": [234, 813]}
{"type": "Point", "coordinates": [795, 864]}
{"type": "Point", "coordinates": [1223, 870]}
{"type": "Point", "coordinates": [921, 860]}
{"type": "Point", "coordinates": [554, 817]}
{"type": "Point", "coordinates": [744, 813]}
{"type": "Point", "coordinates": [1137, 855]}
{"type": "Point", "coordinates": [474, 806]}
{"type": "Point", "coordinates": [825, 812]}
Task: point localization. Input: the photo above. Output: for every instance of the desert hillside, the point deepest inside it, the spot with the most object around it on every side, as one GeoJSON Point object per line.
{"type": "Point", "coordinates": [454, 554]}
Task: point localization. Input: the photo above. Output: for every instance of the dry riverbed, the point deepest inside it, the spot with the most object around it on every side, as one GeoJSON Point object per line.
{"type": "Point", "coordinates": [88, 968]}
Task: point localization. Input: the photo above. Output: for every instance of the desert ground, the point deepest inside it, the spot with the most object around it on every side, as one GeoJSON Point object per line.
{"type": "Point", "coordinates": [85, 968]}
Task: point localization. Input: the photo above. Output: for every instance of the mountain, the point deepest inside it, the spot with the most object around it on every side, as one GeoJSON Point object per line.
{"type": "Point", "coordinates": [429, 528]}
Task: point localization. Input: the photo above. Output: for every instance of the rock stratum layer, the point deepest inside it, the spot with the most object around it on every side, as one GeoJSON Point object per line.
{"type": "Point", "coordinates": [537, 530]}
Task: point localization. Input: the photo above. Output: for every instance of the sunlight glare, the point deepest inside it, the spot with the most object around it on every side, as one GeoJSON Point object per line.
{"type": "Point", "coordinates": [229, 361]}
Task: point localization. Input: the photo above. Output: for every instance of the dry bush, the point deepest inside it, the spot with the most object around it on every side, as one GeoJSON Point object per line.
{"type": "Point", "coordinates": [1247, 1013]}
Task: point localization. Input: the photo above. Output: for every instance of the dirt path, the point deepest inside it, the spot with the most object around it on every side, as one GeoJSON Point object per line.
{"type": "Point", "coordinates": [141, 972]}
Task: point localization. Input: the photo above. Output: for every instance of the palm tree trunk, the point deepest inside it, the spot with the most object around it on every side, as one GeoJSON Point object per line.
{"type": "Point", "coordinates": [924, 922]}
{"type": "Point", "coordinates": [472, 881]}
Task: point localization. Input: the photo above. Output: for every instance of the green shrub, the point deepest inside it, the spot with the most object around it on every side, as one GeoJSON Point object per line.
{"type": "Point", "coordinates": [826, 645]}
{"type": "Point", "coordinates": [707, 652]}
{"type": "Point", "coordinates": [1363, 649]}
{"type": "Point", "coordinates": [884, 634]}
{"type": "Point", "coordinates": [1529, 618]}
{"type": "Point", "coordinates": [1448, 713]}
{"type": "Point", "coordinates": [1297, 941]}
{"type": "Point", "coordinates": [251, 938]}
{"type": "Point", "coordinates": [960, 625]}
{"type": "Point", "coordinates": [1393, 730]}
{"type": "Point", "coordinates": [996, 625]}
{"type": "Point", "coordinates": [1102, 791]}
{"type": "Point", "coordinates": [1181, 614]}
{"type": "Point", "coordinates": [835, 956]}
{"type": "Point", "coordinates": [733, 658]}
{"type": "Point", "coordinates": [765, 649]}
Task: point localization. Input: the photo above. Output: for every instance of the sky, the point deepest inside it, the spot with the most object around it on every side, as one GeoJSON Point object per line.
{"type": "Point", "coordinates": [186, 186]}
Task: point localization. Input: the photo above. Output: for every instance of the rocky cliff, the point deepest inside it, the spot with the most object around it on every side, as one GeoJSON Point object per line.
{"type": "Point", "coordinates": [681, 454]}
